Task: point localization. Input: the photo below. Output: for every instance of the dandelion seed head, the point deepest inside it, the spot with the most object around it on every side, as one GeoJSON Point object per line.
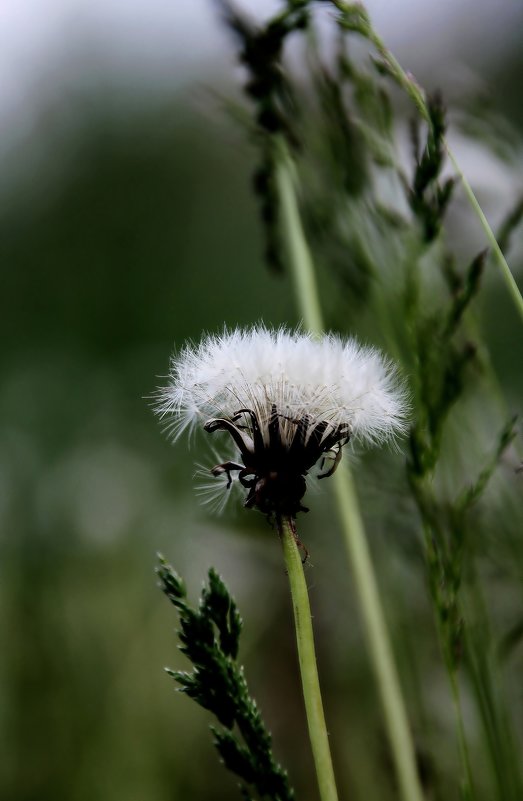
{"type": "Point", "coordinates": [287, 399]}
{"type": "Point", "coordinates": [328, 378]}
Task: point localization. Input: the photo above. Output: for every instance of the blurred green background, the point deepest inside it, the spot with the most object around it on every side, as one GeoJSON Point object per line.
{"type": "Point", "coordinates": [127, 226]}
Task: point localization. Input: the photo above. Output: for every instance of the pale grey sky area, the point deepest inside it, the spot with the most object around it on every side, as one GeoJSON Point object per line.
{"type": "Point", "coordinates": [137, 41]}
{"type": "Point", "coordinates": [51, 49]}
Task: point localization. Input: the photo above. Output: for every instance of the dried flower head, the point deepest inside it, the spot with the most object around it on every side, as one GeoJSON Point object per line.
{"type": "Point", "coordinates": [287, 400]}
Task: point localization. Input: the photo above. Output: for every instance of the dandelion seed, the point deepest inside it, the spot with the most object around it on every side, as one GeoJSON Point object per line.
{"type": "Point", "coordinates": [288, 400]}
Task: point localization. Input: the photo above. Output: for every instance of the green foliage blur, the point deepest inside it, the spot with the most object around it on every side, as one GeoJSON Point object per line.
{"type": "Point", "coordinates": [134, 230]}
{"type": "Point", "coordinates": [135, 234]}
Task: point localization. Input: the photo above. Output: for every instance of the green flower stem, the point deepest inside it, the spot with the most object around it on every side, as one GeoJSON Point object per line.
{"type": "Point", "coordinates": [401, 744]}
{"type": "Point", "coordinates": [307, 658]}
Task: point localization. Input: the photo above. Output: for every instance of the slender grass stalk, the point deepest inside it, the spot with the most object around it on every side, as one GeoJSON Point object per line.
{"type": "Point", "coordinates": [377, 636]}
{"type": "Point", "coordinates": [401, 743]}
{"type": "Point", "coordinates": [354, 17]}
{"type": "Point", "coordinates": [484, 672]}
{"type": "Point", "coordinates": [298, 254]}
{"type": "Point", "coordinates": [496, 250]}
{"type": "Point", "coordinates": [435, 581]}
{"type": "Point", "coordinates": [318, 734]}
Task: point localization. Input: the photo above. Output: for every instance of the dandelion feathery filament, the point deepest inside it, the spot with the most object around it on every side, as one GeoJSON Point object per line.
{"type": "Point", "coordinates": [287, 400]}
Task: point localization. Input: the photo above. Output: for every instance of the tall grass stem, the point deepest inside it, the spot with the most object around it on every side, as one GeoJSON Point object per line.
{"type": "Point", "coordinates": [298, 254]}
{"type": "Point", "coordinates": [378, 639]}
{"type": "Point", "coordinates": [380, 649]}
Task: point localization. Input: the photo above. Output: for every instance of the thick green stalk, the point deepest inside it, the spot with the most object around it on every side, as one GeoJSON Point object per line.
{"type": "Point", "coordinates": [307, 658]}
{"type": "Point", "coordinates": [382, 659]}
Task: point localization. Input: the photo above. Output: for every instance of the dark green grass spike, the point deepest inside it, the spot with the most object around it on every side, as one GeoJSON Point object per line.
{"type": "Point", "coordinates": [209, 636]}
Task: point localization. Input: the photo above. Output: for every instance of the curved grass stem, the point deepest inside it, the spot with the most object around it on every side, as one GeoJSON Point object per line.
{"type": "Point", "coordinates": [378, 640]}
{"type": "Point", "coordinates": [355, 18]}
{"type": "Point", "coordinates": [318, 734]}
{"type": "Point", "coordinates": [497, 253]}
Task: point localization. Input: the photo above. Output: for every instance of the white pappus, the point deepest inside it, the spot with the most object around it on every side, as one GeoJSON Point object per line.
{"type": "Point", "coordinates": [287, 399]}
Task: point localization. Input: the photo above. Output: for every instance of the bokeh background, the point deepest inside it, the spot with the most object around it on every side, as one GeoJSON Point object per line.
{"type": "Point", "coordinates": [127, 226]}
